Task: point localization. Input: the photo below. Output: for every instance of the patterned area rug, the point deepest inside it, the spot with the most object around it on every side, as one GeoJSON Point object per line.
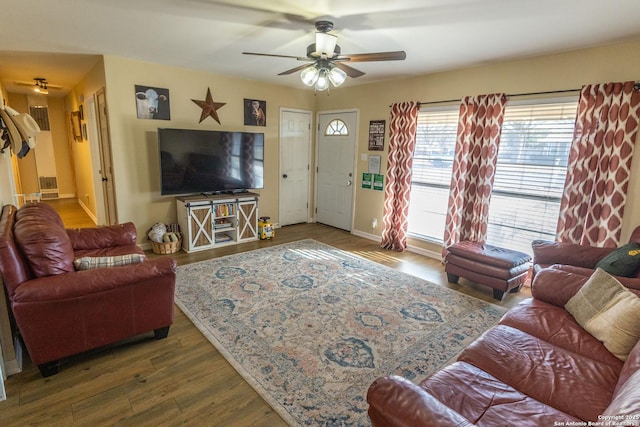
{"type": "Point", "coordinates": [310, 326]}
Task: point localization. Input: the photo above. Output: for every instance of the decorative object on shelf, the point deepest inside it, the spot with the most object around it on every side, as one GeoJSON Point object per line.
{"type": "Point", "coordinates": [209, 108]}
{"type": "Point", "coordinates": [327, 64]}
{"type": "Point", "coordinates": [255, 112]}
{"type": "Point", "coordinates": [152, 103]}
{"type": "Point", "coordinates": [376, 135]}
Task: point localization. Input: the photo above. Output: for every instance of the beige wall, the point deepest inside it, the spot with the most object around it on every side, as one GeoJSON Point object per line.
{"type": "Point", "coordinates": [134, 141]}
{"type": "Point", "coordinates": [570, 70]}
{"type": "Point", "coordinates": [85, 172]}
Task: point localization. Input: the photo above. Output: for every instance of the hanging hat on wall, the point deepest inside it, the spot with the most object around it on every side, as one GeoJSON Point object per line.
{"type": "Point", "coordinates": [14, 133]}
{"type": "Point", "coordinates": [29, 126]}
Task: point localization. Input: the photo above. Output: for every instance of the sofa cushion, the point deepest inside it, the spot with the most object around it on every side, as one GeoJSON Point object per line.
{"type": "Point", "coordinates": [88, 263]}
{"type": "Point", "coordinates": [486, 401]}
{"type": "Point", "coordinates": [544, 372]}
{"type": "Point", "coordinates": [608, 311]}
{"type": "Point", "coordinates": [624, 261]}
{"type": "Point", "coordinates": [45, 245]}
{"type": "Point", "coordinates": [556, 326]}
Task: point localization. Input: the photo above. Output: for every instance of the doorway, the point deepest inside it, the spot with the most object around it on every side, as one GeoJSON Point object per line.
{"type": "Point", "coordinates": [337, 140]}
{"type": "Point", "coordinates": [295, 149]}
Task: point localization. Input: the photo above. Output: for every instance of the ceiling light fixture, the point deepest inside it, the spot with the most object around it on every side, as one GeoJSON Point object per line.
{"type": "Point", "coordinates": [41, 85]}
{"type": "Point", "coordinates": [321, 73]}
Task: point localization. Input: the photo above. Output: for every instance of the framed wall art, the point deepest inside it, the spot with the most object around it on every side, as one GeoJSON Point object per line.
{"type": "Point", "coordinates": [152, 103]}
{"type": "Point", "coordinates": [76, 128]}
{"type": "Point", "coordinates": [376, 135]}
{"type": "Point", "coordinates": [255, 112]}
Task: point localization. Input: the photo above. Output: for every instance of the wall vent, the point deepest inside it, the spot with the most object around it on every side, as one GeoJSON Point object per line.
{"type": "Point", "coordinates": [49, 187]}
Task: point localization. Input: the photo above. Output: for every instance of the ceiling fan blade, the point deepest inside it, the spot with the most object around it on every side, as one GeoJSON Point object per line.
{"type": "Point", "coordinates": [351, 72]}
{"type": "Point", "coordinates": [397, 55]}
{"type": "Point", "coordinates": [299, 58]}
{"type": "Point", "coordinates": [294, 70]}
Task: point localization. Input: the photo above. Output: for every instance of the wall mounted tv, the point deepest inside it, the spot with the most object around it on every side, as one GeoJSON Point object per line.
{"type": "Point", "coordinates": [206, 161]}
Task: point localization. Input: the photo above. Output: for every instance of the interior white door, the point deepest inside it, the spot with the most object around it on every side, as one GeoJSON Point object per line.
{"type": "Point", "coordinates": [295, 143]}
{"type": "Point", "coordinates": [335, 168]}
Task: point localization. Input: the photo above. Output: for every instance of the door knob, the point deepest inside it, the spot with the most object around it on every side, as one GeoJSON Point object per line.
{"type": "Point", "coordinates": [348, 183]}
{"type": "Point", "coordinates": [284, 175]}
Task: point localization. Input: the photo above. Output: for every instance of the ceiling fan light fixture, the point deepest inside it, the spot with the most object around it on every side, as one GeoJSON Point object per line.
{"type": "Point", "coordinates": [325, 44]}
{"type": "Point", "coordinates": [337, 76]}
{"type": "Point", "coordinates": [309, 76]}
{"type": "Point", "coordinates": [323, 80]}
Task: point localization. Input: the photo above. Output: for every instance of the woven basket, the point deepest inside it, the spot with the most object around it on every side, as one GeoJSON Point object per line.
{"type": "Point", "coordinates": [166, 247]}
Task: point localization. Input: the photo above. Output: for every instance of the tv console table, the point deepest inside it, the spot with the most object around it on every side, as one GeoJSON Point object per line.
{"type": "Point", "coordinates": [212, 221]}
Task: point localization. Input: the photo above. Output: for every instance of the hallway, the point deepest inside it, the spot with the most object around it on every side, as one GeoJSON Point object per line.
{"type": "Point", "coordinates": [71, 213]}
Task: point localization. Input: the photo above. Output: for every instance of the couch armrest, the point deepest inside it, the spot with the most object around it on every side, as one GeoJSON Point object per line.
{"type": "Point", "coordinates": [396, 401]}
{"type": "Point", "coordinates": [101, 237]}
{"type": "Point", "coordinates": [545, 252]}
{"type": "Point", "coordinates": [81, 283]}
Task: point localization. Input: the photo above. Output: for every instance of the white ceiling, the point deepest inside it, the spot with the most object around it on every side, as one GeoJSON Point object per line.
{"type": "Point", "coordinates": [58, 39]}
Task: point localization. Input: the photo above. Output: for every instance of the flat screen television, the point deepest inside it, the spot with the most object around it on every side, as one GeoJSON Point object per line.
{"type": "Point", "coordinates": [210, 162]}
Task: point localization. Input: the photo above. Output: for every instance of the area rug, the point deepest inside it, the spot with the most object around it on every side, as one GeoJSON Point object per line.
{"type": "Point", "coordinates": [310, 326]}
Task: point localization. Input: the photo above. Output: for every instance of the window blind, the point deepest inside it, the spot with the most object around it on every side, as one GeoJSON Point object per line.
{"type": "Point", "coordinates": [530, 173]}
{"type": "Point", "coordinates": [431, 173]}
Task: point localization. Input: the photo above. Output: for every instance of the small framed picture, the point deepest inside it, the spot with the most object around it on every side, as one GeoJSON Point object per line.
{"type": "Point", "coordinates": [255, 112]}
{"type": "Point", "coordinates": [75, 126]}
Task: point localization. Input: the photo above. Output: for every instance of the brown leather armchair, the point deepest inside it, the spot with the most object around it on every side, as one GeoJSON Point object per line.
{"type": "Point", "coordinates": [59, 311]}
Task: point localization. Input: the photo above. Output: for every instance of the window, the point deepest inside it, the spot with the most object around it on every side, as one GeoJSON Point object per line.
{"type": "Point", "coordinates": [530, 173]}
{"type": "Point", "coordinates": [431, 175]}
{"type": "Point", "coordinates": [336, 127]}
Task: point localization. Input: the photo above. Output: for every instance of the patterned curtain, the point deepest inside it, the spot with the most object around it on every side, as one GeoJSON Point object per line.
{"type": "Point", "coordinates": [599, 163]}
{"type": "Point", "coordinates": [474, 165]}
{"type": "Point", "coordinates": [402, 141]}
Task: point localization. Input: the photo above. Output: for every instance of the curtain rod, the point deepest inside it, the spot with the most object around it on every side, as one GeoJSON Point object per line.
{"type": "Point", "coordinates": [508, 95]}
{"type": "Point", "coordinates": [550, 92]}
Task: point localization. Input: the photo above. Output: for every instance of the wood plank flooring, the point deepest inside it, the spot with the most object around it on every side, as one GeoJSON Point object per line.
{"type": "Point", "coordinates": [183, 379]}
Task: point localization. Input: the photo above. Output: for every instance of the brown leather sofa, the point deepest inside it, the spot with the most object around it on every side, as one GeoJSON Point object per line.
{"type": "Point", "coordinates": [59, 311]}
{"type": "Point", "coordinates": [579, 259]}
{"type": "Point", "coordinates": [537, 367]}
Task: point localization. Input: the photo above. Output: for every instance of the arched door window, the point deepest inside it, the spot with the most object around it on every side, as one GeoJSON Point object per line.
{"type": "Point", "coordinates": [336, 127]}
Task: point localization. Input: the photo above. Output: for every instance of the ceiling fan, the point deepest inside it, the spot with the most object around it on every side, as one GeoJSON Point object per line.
{"type": "Point", "coordinates": [327, 63]}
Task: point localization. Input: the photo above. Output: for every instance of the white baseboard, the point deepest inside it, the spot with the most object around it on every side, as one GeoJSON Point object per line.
{"type": "Point", "coordinates": [14, 366]}
{"type": "Point", "coordinates": [425, 252]}
{"type": "Point", "coordinates": [367, 236]}
{"type": "Point", "coordinates": [88, 211]}
{"type": "Point", "coordinates": [421, 251]}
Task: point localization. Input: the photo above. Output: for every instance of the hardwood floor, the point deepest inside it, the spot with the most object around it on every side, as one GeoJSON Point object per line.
{"type": "Point", "coordinates": [183, 379]}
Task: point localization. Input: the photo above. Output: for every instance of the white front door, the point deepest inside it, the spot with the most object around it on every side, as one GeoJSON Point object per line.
{"type": "Point", "coordinates": [336, 168]}
{"type": "Point", "coordinates": [295, 143]}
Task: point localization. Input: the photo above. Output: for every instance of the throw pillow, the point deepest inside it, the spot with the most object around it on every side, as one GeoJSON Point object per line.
{"type": "Point", "coordinates": [608, 311]}
{"type": "Point", "coordinates": [624, 261]}
{"type": "Point", "coordinates": [88, 263]}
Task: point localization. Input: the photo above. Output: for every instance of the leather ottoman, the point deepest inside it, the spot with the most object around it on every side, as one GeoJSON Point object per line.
{"type": "Point", "coordinates": [504, 270]}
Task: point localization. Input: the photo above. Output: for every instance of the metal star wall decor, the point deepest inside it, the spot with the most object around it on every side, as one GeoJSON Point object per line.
{"type": "Point", "coordinates": [209, 108]}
